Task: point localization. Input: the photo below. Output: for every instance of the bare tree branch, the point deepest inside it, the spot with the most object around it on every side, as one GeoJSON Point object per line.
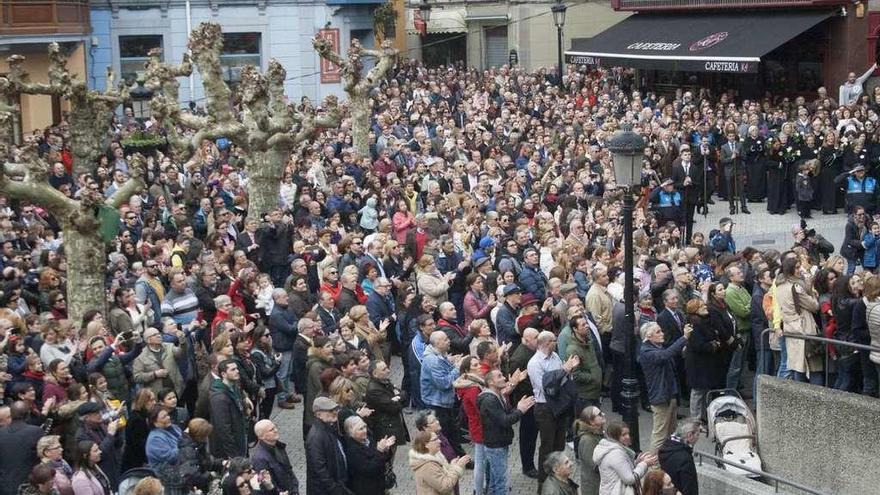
{"type": "Point", "coordinates": [134, 183]}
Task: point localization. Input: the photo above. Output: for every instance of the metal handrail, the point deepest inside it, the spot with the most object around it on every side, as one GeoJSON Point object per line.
{"type": "Point", "coordinates": [772, 477]}
{"type": "Point", "coordinates": [841, 343]}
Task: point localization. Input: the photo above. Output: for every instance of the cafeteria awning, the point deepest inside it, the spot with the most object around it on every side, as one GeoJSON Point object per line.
{"type": "Point", "coordinates": [694, 42]}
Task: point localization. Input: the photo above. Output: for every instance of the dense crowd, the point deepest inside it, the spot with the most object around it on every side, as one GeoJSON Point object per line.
{"type": "Point", "coordinates": [478, 246]}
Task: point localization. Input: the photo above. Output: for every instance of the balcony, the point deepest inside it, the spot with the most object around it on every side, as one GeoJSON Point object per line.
{"type": "Point", "coordinates": [670, 5]}
{"type": "Point", "coordinates": [30, 17]}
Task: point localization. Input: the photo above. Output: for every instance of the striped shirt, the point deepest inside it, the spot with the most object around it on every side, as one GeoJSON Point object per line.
{"type": "Point", "coordinates": [182, 307]}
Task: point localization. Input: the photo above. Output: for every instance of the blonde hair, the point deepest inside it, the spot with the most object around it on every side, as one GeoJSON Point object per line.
{"type": "Point", "coordinates": [338, 388]}
{"type": "Point", "coordinates": [149, 486]}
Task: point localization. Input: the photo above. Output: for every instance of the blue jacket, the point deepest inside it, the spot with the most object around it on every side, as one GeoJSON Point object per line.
{"type": "Point", "coordinates": [533, 281]}
{"type": "Point", "coordinates": [283, 328]}
{"type": "Point", "coordinates": [379, 308]}
{"type": "Point", "coordinates": [659, 367]}
{"type": "Point", "coordinates": [583, 283]}
{"type": "Point", "coordinates": [505, 326]}
{"type": "Point", "coordinates": [161, 446]}
{"type": "Point", "coordinates": [872, 250]}
{"type": "Point", "coordinates": [438, 374]}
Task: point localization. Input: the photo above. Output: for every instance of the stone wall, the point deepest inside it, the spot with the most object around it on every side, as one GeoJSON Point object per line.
{"type": "Point", "coordinates": [716, 481]}
{"type": "Point", "coordinates": [822, 438]}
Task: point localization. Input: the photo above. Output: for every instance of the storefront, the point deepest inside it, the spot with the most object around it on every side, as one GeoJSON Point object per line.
{"type": "Point", "coordinates": [782, 52]}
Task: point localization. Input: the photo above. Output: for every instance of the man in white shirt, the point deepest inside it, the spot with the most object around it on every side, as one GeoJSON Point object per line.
{"type": "Point", "coordinates": [550, 428]}
{"type": "Point", "coordinates": [853, 87]}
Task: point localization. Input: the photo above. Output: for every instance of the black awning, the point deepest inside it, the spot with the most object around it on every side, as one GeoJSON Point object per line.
{"type": "Point", "coordinates": [695, 42]}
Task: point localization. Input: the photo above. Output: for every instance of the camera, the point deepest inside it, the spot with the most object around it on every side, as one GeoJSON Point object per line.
{"type": "Point", "coordinates": [110, 415]}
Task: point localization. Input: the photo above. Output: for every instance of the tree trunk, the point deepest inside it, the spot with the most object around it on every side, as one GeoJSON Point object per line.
{"type": "Point", "coordinates": [360, 123]}
{"type": "Point", "coordinates": [265, 169]}
{"type": "Point", "coordinates": [86, 272]}
{"type": "Point", "coordinates": [86, 138]}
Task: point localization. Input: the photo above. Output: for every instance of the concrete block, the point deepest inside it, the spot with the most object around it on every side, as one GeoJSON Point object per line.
{"type": "Point", "coordinates": [717, 481]}
{"type": "Point", "coordinates": [822, 438]}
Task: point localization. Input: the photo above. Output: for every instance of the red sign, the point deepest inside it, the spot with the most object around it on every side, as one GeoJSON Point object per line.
{"type": "Point", "coordinates": [330, 72]}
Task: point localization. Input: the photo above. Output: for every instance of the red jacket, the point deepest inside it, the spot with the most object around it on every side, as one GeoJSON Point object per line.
{"type": "Point", "coordinates": [468, 396]}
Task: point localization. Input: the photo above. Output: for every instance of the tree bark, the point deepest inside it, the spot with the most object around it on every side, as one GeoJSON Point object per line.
{"type": "Point", "coordinates": [264, 181]}
{"type": "Point", "coordinates": [86, 260]}
{"type": "Point", "coordinates": [358, 86]}
{"type": "Point", "coordinates": [360, 124]}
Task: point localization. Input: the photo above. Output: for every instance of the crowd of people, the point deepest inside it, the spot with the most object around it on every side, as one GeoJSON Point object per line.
{"type": "Point", "coordinates": [478, 247]}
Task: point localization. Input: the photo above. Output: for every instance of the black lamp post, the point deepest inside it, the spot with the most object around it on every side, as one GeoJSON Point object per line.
{"type": "Point", "coordinates": [558, 10]}
{"type": "Point", "coordinates": [627, 149]}
{"type": "Point", "coordinates": [425, 11]}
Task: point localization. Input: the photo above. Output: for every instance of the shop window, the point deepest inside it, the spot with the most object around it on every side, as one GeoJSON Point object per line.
{"type": "Point", "coordinates": [133, 54]}
{"type": "Point", "coordinates": [239, 50]}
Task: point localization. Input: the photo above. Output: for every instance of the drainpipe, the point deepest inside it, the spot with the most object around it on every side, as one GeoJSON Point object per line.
{"type": "Point", "coordinates": [192, 84]}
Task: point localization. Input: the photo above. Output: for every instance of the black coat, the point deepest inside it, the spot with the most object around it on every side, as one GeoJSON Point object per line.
{"type": "Point", "coordinates": [111, 449]}
{"type": "Point", "coordinates": [18, 451]}
{"type": "Point", "coordinates": [677, 460]}
{"type": "Point", "coordinates": [326, 468]}
{"type": "Point", "coordinates": [275, 242]}
{"type": "Point", "coordinates": [136, 431]}
{"type": "Point", "coordinates": [498, 420]}
{"type": "Point", "coordinates": [275, 460]}
{"type": "Point", "coordinates": [229, 436]}
{"type": "Point", "coordinates": [852, 242]}
{"type": "Point", "coordinates": [196, 463]}
{"type": "Point", "coordinates": [386, 419]}
{"type": "Point", "coordinates": [705, 356]}
{"type": "Point", "coordinates": [347, 300]}
{"type": "Point", "coordinates": [366, 467]}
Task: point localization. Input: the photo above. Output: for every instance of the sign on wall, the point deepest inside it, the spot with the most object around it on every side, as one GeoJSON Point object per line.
{"type": "Point", "coordinates": [330, 72]}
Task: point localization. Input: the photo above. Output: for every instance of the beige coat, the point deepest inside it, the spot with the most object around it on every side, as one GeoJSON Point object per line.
{"type": "Point", "coordinates": [144, 368]}
{"type": "Point", "coordinates": [433, 287]}
{"type": "Point", "coordinates": [433, 473]}
{"type": "Point", "coordinates": [798, 322]}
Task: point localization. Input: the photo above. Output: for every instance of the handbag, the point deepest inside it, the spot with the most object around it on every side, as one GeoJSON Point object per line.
{"type": "Point", "coordinates": [390, 477]}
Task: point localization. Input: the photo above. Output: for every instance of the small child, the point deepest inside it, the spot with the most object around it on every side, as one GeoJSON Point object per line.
{"type": "Point", "coordinates": [871, 241]}
{"type": "Point", "coordinates": [369, 216]}
{"type": "Point", "coordinates": [804, 188]}
{"type": "Point", "coordinates": [264, 299]}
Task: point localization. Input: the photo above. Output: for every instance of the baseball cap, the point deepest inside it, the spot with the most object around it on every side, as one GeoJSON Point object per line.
{"type": "Point", "coordinates": [324, 404]}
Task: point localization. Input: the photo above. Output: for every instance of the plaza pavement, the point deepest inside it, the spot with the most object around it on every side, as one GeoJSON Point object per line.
{"type": "Point", "coordinates": [760, 229]}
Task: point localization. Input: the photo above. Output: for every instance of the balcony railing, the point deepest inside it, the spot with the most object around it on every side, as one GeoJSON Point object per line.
{"type": "Point", "coordinates": [26, 17]}
{"type": "Point", "coordinates": [655, 5]}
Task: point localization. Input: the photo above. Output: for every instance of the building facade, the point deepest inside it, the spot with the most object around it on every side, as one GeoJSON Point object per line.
{"type": "Point", "coordinates": [254, 32]}
{"type": "Point", "coordinates": [482, 34]}
{"type": "Point", "coordinates": [27, 28]}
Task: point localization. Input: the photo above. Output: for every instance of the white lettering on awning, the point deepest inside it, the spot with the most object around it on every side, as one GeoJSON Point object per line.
{"type": "Point", "coordinates": [663, 47]}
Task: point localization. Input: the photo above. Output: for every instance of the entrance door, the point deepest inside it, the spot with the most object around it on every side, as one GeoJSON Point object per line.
{"type": "Point", "coordinates": [495, 46]}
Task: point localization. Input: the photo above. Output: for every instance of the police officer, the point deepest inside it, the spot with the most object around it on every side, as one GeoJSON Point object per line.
{"type": "Point", "coordinates": [860, 190]}
{"type": "Point", "coordinates": [667, 203]}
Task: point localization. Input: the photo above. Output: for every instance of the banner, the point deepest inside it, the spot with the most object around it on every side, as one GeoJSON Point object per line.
{"type": "Point", "coordinates": [330, 72]}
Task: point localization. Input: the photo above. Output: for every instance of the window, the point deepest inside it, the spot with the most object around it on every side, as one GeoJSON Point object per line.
{"type": "Point", "coordinates": [239, 50]}
{"type": "Point", "coordinates": [133, 54]}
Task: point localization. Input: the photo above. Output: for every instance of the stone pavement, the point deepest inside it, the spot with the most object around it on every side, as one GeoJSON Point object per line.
{"type": "Point", "coordinates": [765, 231]}
{"type": "Point", "coordinates": [759, 229]}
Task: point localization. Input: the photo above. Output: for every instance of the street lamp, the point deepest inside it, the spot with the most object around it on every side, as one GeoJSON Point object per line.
{"type": "Point", "coordinates": [425, 11]}
{"type": "Point", "coordinates": [627, 149]}
{"type": "Point", "coordinates": [558, 10]}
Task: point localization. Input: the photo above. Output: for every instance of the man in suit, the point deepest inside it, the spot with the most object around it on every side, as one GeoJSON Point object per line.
{"type": "Point", "coordinates": [671, 319]}
{"type": "Point", "coordinates": [668, 151]}
{"type": "Point", "coordinates": [734, 173]}
{"type": "Point", "coordinates": [687, 177]}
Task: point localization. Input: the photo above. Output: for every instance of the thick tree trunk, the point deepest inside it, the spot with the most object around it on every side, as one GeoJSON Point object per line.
{"type": "Point", "coordinates": [360, 123]}
{"type": "Point", "coordinates": [265, 169]}
{"type": "Point", "coordinates": [86, 272]}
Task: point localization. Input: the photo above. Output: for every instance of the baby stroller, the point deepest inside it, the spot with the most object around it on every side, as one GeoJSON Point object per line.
{"type": "Point", "coordinates": [732, 428]}
{"type": "Point", "coordinates": [131, 478]}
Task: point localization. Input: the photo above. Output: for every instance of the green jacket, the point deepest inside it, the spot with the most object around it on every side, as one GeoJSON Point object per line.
{"type": "Point", "coordinates": [739, 302]}
{"type": "Point", "coordinates": [588, 374]}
